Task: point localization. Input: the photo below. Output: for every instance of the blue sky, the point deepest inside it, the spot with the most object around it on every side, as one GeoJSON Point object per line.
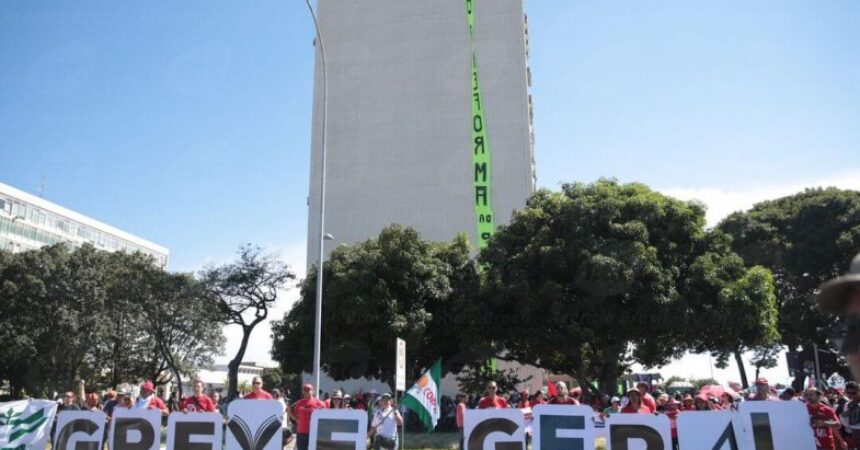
{"type": "Point", "coordinates": [187, 123]}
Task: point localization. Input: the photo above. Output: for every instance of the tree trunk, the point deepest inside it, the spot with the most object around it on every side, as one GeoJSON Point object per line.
{"type": "Point", "coordinates": [742, 370]}
{"type": "Point", "coordinates": [233, 366]}
{"type": "Point", "coordinates": [178, 384]}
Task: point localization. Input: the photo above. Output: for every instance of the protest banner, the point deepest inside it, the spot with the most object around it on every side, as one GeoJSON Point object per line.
{"type": "Point", "coordinates": [493, 429]}
{"type": "Point", "coordinates": [775, 425]}
{"type": "Point", "coordinates": [78, 430]}
{"type": "Point", "coordinates": [135, 429]}
{"type": "Point", "coordinates": [638, 431]}
{"type": "Point", "coordinates": [709, 430]}
{"type": "Point", "coordinates": [338, 429]}
{"type": "Point", "coordinates": [195, 431]}
{"type": "Point", "coordinates": [254, 425]}
{"type": "Point", "coordinates": [557, 427]}
{"type": "Point", "coordinates": [25, 423]}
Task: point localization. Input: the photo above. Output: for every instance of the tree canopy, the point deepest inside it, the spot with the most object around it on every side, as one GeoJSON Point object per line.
{"type": "Point", "coordinates": [611, 274]}
{"type": "Point", "coordinates": [241, 293]}
{"type": "Point", "coordinates": [804, 239]}
{"type": "Point", "coordinates": [393, 285]}
{"type": "Point", "coordinates": [105, 317]}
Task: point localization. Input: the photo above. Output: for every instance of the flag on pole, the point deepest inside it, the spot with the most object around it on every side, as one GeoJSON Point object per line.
{"type": "Point", "coordinates": [24, 424]}
{"type": "Point", "coordinates": [423, 396]}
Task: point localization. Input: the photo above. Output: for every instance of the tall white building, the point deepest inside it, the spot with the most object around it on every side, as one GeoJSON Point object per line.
{"type": "Point", "coordinates": [407, 82]}
{"type": "Point", "coordinates": [28, 222]}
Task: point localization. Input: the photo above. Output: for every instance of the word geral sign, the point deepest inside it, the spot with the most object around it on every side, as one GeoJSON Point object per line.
{"type": "Point", "coordinates": [256, 425]}
{"type": "Point", "coordinates": [756, 426]}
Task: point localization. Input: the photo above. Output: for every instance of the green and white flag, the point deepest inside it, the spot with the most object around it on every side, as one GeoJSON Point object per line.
{"type": "Point", "coordinates": [423, 396]}
{"type": "Point", "coordinates": [25, 424]}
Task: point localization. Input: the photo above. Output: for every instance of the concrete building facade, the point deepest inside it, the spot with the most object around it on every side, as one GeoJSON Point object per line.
{"type": "Point", "coordinates": [28, 222]}
{"type": "Point", "coordinates": [400, 131]}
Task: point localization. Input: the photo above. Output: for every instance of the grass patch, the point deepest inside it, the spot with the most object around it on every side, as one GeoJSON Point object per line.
{"type": "Point", "coordinates": [436, 441]}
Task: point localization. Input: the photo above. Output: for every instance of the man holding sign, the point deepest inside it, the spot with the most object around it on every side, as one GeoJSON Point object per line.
{"type": "Point", "coordinates": [198, 402]}
{"type": "Point", "coordinates": [148, 399]}
{"type": "Point", "coordinates": [383, 428]}
{"type": "Point", "coordinates": [824, 421]}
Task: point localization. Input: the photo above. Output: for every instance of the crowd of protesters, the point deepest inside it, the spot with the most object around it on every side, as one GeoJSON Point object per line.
{"type": "Point", "coordinates": [834, 413]}
{"type": "Point", "coordinates": [384, 418]}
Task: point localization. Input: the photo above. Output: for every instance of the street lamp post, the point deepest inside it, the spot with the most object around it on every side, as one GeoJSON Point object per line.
{"type": "Point", "coordinates": [322, 234]}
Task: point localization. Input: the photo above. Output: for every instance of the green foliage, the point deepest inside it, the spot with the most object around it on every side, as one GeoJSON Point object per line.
{"type": "Point", "coordinates": [104, 317]}
{"type": "Point", "coordinates": [393, 285]}
{"type": "Point", "coordinates": [474, 379]}
{"type": "Point", "coordinates": [610, 274]}
{"type": "Point", "coordinates": [804, 239]}
{"type": "Point", "coordinates": [699, 383]}
{"type": "Point", "coordinates": [241, 293]}
{"type": "Point", "coordinates": [765, 358]}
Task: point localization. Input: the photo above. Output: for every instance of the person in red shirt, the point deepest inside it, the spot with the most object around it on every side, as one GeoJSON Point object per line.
{"type": "Point", "coordinates": [702, 403]}
{"type": "Point", "coordinates": [257, 392]}
{"type": "Point", "coordinates": [148, 399]}
{"type": "Point", "coordinates": [687, 404]}
{"type": "Point", "coordinates": [537, 399]}
{"type": "Point", "coordinates": [823, 420]}
{"type": "Point", "coordinates": [562, 397]}
{"type": "Point", "coordinates": [524, 400]}
{"type": "Point", "coordinates": [672, 409]}
{"type": "Point", "coordinates": [198, 402]}
{"type": "Point", "coordinates": [491, 400]}
{"type": "Point", "coordinates": [634, 404]}
{"type": "Point", "coordinates": [762, 390]}
{"type": "Point", "coordinates": [301, 412]}
{"type": "Point", "coordinates": [647, 399]}
{"type": "Point", "coordinates": [461, 413]}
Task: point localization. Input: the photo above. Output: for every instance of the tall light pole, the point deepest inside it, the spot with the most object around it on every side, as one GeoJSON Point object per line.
{"type": "Point", "coordinates": [322, 235]}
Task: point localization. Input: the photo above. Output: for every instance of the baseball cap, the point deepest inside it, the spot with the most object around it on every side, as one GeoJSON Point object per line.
{"type": "Point", "coordinates": [147, 386]}
{"type": "Point", "coordinates": [308, 387]}
{"type": "Point", "coordinates": [761, 380]}
{"type": "Point", "coordinates": [385, 396]}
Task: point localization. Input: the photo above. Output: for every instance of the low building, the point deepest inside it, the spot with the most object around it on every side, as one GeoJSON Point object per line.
{"type": "Point", "coordinates": [28, 222]}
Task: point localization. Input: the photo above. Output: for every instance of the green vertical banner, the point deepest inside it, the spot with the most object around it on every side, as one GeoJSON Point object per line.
{"type": "Point", "coordinates": [480, 147]}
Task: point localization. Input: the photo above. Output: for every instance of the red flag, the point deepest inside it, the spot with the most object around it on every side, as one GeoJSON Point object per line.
{"type": "Point", "coordinates": [551, 390]}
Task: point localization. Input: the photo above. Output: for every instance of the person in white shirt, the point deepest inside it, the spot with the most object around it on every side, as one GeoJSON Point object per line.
{"type": "Point", "coordinates": [383, 427]}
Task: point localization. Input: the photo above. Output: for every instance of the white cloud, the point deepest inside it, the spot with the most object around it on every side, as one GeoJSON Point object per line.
{"type": "Point", "coordinates": [722, 202]}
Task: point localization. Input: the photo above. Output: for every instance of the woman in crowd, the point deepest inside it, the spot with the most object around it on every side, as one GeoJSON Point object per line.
{"type": "Point", "coordinates": [337, 400]}
{"type": "Point", "coordinates": [93, 402]}
{"type": "Point", "coordinates": [634, 403]}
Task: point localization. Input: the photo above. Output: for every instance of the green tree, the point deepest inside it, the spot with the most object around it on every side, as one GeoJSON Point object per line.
{"type": "Point", "coordinates": [734, 305]}
{"type": "Point", "coordinates": [804, 239]}
{"type": "Point", "coordinates": [185, 331]}
{"type": "Point", "coordinates": [103, 317]}
{"type": "Point", "coordinates": [242, 293]}
{"type": "Point", "coordinates": [604, 273]}
{"type": "Point", "coordinates": [474, 379]}
{"type": "Point", "coordinates": [765, 358]}
{"type": "Point", "coordinates": [393, 285]}
{"type": "Point", "coordinates": [52, 302]}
